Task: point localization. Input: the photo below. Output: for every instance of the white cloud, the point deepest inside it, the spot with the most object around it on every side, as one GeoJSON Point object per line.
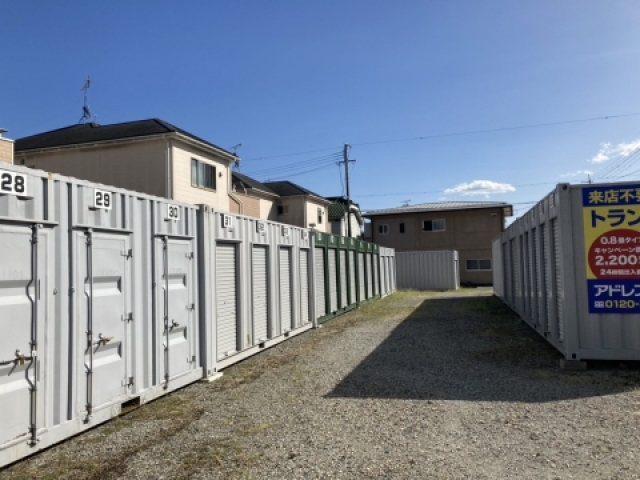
{"type": "Point", "coordinates": [609, 151]}
{"type": "Point", "coordinates": [579, 173]}
{"type": "Point", "coordinates": [480, 187]}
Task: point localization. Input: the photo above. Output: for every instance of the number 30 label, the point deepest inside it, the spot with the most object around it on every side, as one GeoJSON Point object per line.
{"type": "Point", "coordinates": [102, 199]}
{"type": "Point", "coordinates": [13, 183]}
{"type": "Point", "coordinates": [173, 212]}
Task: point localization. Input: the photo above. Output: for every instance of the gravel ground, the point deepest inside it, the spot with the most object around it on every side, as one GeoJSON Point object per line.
{"type": "Point", "coordinates": [418, 385]}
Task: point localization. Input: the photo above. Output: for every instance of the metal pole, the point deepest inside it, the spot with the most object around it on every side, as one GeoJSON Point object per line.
{"type": "Point", "coordinates": [89, 234]}
{"type": "Point", "coordinates": [34, 335]}
{"type": "Point", "coordinates": [346, 161]}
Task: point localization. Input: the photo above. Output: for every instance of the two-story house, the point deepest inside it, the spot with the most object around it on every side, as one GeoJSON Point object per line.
{"type": "Point", "coordinates": [252, 198]}
{"type": "Point", "coordinates": [301, 207]}
{"type": "Point", "coordinates": [149, 156]}
{"type": "Point", "coordinates": [468, 227]}
{"type": "Point", "coordinates": [341, 213]}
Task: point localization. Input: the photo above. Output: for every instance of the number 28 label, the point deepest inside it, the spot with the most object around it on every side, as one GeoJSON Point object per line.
{"type": "Point", "coordinates": [102, 199]}
{"type": "Point", "coordinates": [13, 183]}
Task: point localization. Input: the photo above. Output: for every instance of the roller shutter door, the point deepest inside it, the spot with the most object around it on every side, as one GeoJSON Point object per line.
{"type": "Point", "coordinates": [374, 262]}
{"type": "Point", "coordinates": [304, 286]}
{"type": "Point", "coordinates": [361, 275]}
{"type": "Point", "coordinates": [559, 287]}
{"type": "Point", "coordinates": [333, 281]}
{"type": "Point", "coordinates": [343, 278]}
{"type": "Point", "coordinates": [547, 277]}
{"type": "Point", "coordinates": [226, 299]}
{"type": "Point", "coordinates": [352, 276]}
{"type": "Point", "coordinates": [260, 294]}
{"type": "Point", "coordinates": [321, 309]}
{"type": "Point", "coordinates": [285, 289]}
{"type": "Point", "coordinates": [369, 277]}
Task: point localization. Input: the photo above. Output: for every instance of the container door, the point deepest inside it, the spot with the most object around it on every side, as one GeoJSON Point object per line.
{"type": "Point", "coordinates": [285, 289]}
{"type": "Point", "coordinates": [260, 293]}
{"type": "Point", "coordinates": [104, 272]}
{"type": "Point", "coordinates": [21, 297]}
{"type": "Point", "coordinates": [321, 307]}
{"type": "Point", "coordinates": [369, 277]}
{"type": "Point", "coordinates": [304, 287]}
{"type": "Point", "coordinates": [333, 281]}
{"type": "Point", "coordinates": [343, 278]}
{"type": "Point", "coordinates": [177, 296]}
{"type": "Point", "coordinates": [559, 287]}
{"type": "Point", "coordinates": [226, 299]}
{"type": "Point", "coordinates": [547, 277]}
{"type": "Point", "coordinates": [352, 276]}
{"type": "Point", "coordinates": [374, 263]}
{"type": "Point", "coordinates": [361, 276]}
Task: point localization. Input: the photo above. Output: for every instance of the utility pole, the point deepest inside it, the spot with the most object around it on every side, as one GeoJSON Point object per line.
{"type": "Point", "coordinates": [346, 161]}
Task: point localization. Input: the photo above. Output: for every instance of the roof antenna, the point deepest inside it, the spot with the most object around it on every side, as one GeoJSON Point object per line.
{"type": "Point", "coordinates": [405, 203]}
{"type": "Point", "coordinates": [236, 164]}
{"type": "Point", "coordinates": [86, 111]}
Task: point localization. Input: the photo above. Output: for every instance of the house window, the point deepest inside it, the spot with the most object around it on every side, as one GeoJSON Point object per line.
{"type": "Point", "coordinates": [481, 265]}
{"type": "Point", "coordinates": [383, 229]}
{"type": "Point", "coordinates": [319, 216]}
{"type": "Point", "coordinates": [203, 175]}
{"type": "Point", "coordinates": [434, 226]}
{"type": "Point", "coordinates": [283, 209]}
{"type": "Point", "coordinates": [402, 228]}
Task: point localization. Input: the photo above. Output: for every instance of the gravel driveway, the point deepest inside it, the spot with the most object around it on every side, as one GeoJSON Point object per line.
{"type": "Point", "coordinates": [418, 385]}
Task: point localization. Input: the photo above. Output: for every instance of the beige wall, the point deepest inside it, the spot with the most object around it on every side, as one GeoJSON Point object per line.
{"type": "Point", "coordinates": [268, 210]}
{"type": "Point", "coordinates": [312, 216]}
{"type": "Point", "coordinates": [181, 173]}
{"type": "Point", "coordinates": [470, 232]}
{"type": "Point", "coordinates": [6, 150]}
{"type": "Point", "coordinates": [136, 166]}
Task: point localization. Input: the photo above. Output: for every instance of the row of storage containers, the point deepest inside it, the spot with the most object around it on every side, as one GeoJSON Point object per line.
{"type": "Point", "coordinates": [348, 273]}
{"type": "Point", "coordinates": [569, 268]}
{"type": "Point", "coordinates": [110, 297]}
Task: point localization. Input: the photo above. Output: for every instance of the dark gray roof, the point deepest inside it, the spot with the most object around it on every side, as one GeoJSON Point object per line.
{"type": "Point", "coordinates": [440, 207]}
{"type": "Point", "coordinates": [242, 181]}
{"type": "Point", "coordinates": [92, 132]}
{"type": "Point", "coordinates": [342, 200]}
{"type": "Point", "coordinates": [289, 189]}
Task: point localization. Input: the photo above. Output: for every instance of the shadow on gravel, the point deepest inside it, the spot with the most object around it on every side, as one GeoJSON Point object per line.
{"type": "Point", "coordinates": [475, 348]}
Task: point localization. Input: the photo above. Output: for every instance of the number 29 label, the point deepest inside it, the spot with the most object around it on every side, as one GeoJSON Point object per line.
{"type": "Point", "coordinates": [102, 199]}
{"type": "Point", "coordinates": [13, 183]}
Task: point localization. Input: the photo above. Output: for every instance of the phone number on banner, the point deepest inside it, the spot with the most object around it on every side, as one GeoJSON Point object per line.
{"type": "Point", "coordinates": [614, 296]}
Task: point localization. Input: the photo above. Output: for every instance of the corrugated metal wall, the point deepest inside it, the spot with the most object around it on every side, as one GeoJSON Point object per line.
{"type": "Point", "coordinates": [556, 303]}
{"type": "Point", "coordinates": [428, 270]}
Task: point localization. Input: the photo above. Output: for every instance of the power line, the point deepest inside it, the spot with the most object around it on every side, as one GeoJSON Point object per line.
{"type": "Point", "coordinates": [461, 133]}
{"type": "Point", "coordinates": [325, 159]}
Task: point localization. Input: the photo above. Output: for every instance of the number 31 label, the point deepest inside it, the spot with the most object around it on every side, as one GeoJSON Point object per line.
{"type": "Point", "coordinates": [13, 183]}
{"type": "Point", "coordinates": [102, 199]}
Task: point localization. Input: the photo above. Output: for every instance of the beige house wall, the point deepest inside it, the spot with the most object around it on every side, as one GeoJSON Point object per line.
{"type": "Point", "coordinates": [268, 210]}
{"type": "Point", "coordinates": [470, 232]}
{"type": "Point", "coordinates": [183, 191]}
{"type": "Point", "coordinates": [312, 216]}
{"type": "Point", "coordinates": [138, 166]}
{"type": "Point", "coordinates": [6, 150]}
{"type": "Point", "coordinates": [295, 211]}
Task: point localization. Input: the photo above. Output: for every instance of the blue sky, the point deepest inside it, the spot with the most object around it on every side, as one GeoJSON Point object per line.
{"type": "Point", "coordinates": [284, 76]}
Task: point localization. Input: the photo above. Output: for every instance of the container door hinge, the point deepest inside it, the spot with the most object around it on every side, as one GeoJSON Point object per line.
{"type": "Point", "coordinates": [191, 307]}
{"type": "Point", "coordinates": [189, 255]}
{"type": "Point", "coordinates": [127, 253]}
{"type": "Point", "coordinates": [128, 382]}
{"type": "Point", "coordinates": [191, 359]}
{"type": "Point", "coordinates": [128, 317]}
